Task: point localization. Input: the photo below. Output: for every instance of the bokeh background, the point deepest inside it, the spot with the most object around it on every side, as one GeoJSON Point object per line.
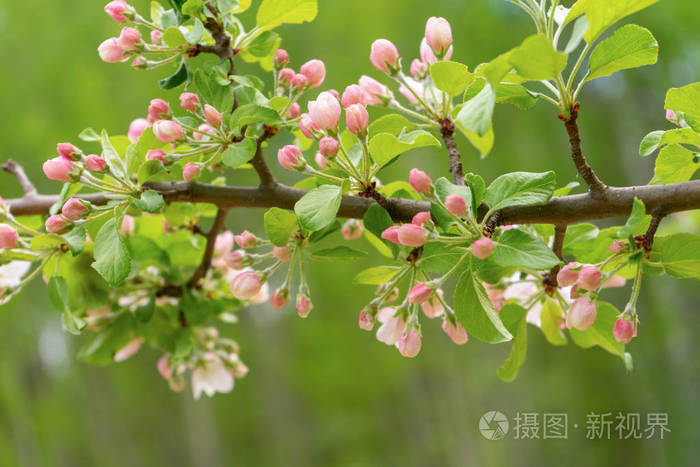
{"type": "Point", "coordinates": [320, 391]}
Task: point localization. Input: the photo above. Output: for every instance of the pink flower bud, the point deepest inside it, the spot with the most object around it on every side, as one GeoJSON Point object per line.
{"type": "Point", "coordinates": [624, 330]}
{"type": "Point", "coordinates": [366, 321]}
{"type": "Point", "coordinates": [60, 169]}
{"type": "Point", "coordinates": [56, 224]}
{"type": "Point", "coordinates": [129, 38]}
{"type": "Point", "coordinates": [321, 161]}
{"type": "Point", "coordinates": [190, 171]}
{"type": "Point", "coordinates": [308, 127]}
{"type": "Point", "coordinates": [157, 155]}
{"type": "Point", "coordinates": [246, 240]}
{"type": "Point", "coordinates": [483, 247]}
{"type": "Point", "coordinates": [328, 146]}
{"type": "Point", "coordinates": [419, 293]}
{"type": "Point", "coordinates": [189, 101]}
{"type": "Point", "coordinates": [325, 111]}
{"type": "Point", "coordinates": [279, 298]}
{"type": "Point", "coordinates": [409, 343]}
{"type": "Point", "coordinates": [568, 275]}
{"type": "Point", "coordinates": [286, 76]}
{"type": "Point", "coordinates": [614, 281]}
{"type": "Point", "coordinates": [496, 295]}
{"type": "Point", "coordinates": [456, 204]}
{"type": "Point", "coordinates": [282, 253]}
{"type": "Point", "coordinates": [421, 218]}
{"type": "Point", "coordinates": [156, 37]}
{"type": "Point", "coordinates": [8, 236]}
{"type": "Point", "coordinates": [68, 151]}
{"type": "Point", "coordinates": [315, 72]}
{"type": "Point", "coordinates": [392, 326]}
{"type": "Point", "coordinates": [136, 128]}
{"type": "Point", "coordinates": [246, 285]}
{"type": "Point", "coordinates": [410, 97]}
{"type": "Point", "coordinates": [237, 260]}
{"type": "Point", "coordinates": [589, 278]}
{"type": "Point", "coordinates": [357, 119]}
{"type": "Point", "coordinates": [582, 314]}
{"type": "Point", "coordinates": [291, 158]}
{"type": "Point", "coordinates": [75, 209]}
{"type": "Point", "coordinates": [457, 334]}
{"type": "Point", "coordinates": [164, 369]}
{"type": "Point", "coordinates": [392, 234]}
{"type": "Point", "coordinates": [158, 109]}
{"type": "Point", "coordinates": [353, 94]}
{"type": "Point", "coordinates": [412, 235]}
{"type": "Point", "coordinates": [432, 307]}
{"type": "Point", "coordinates": [299, 82]}
{"type": "Point", "coordinates": [168, 131]}
{"type": "Point", "coordinates": [128, 225]}
{"type": "Point", "coordinates": [375, 92]}
{"type": "Point", "coordinates": [212, 115]}
{"type": "Point", "coordinates": [110, 51]}
{"type": "Point", "coordinates": [116, 10]}
{"type": "Point", "coordinates": [352, 229]}
{"type": "Point", "coordinates": [418, 69]}
{"type": "Point", "coordinates": [426, 53]}
{"type": "Point", "coordinates": [304, 305]}
{"type": "Point", "coordinates": [618, 247]}
{"type": "Point", "coordinates": [294, 110]}
{"type": "Point", "coordinates": [672, 117]}
{"type": "Point", "coordinates": [203, 130]}
{"type": "Point", "coordinates": [223, 243]}
{"type": "Point", "coordinates": [281, 58]}
{"type": "Point", "coordinates": [128, 350]}
{"type": "Point", "coordinates": [420, 181]}
{"type": "Point", "coordinates": [384, 56]}
{"type": "Point", "coordinates": [438, 35]}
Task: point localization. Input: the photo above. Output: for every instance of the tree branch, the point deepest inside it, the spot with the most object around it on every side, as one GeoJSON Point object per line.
{"type": "Point", "coordinates": [218, 225]}
{"type": "Point", "coordinates": [17, 170]}
{"type": "Point", "coordinates": [595, 185]}
{"type": "Point", "coordinates": [447, 130]}
{"type": "Point", "coordinates": [267, 180]}
{"type": "Point", "coordinates": [657, 216]}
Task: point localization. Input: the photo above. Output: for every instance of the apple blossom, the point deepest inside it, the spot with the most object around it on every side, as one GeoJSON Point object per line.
{"type": "Point", "coordinates": [61, 170]}
{"type": "Point", "coordinates": [412, 235]}
{"type": "Point", "coordinates": [210, 377]}
{"type": "Point", "coordinates": [314, 71]}
{"type": "Point", "coordinates": [9, 237]}
{"type": "Point", "coordinates": [168, 131]}
{"type": "Point", "coordinates": [357, 119]}
{"type": "Point", "coordinates": [246, 240]}
{"type": "Point", "coordinates": [456, 204]}
{"type": "Point", "coordinates": [75, 209]}
{"type": "Point", "coordinates": [279, 298]}
{"type": "Point", "coordinates": [483, 247]}
{"type": "Point", "coordinates": [420, 181]}
{"type": "Point", "coordinates": [190, 171]}
{"type": "Point", "coordinates": [246, 285]}
{"type": "Point", "coordinates": [212, 115]}
{"type": "Point", "coordinates": [589, 278]}
{"type": "Point", "coordinates": [325, 111]}
{"type": "Point", "coordinates": [328, 146]}
{"type": "Point", "coordinates": [384, 56]}
{"type": "Point", "coordinates": [455, 332]}
{"type": "Point", "coordinates": [189, 101]}
{"type": "Point", "coordinates": [56, 224]}
{"type": "Point", "coordinates": [352, 229]}
{"type": "Point", "coordinates": [568, 275]}
{"type": "Point", "coordinates": [282, 253]}
{"type": "Point", "coordinates": [136, 129]}
{"type": "Point", "coordinates": [438, 35]}
{"type": "Point", "coordinates": [624, 330]}
{"type": "Point", "coordinates": [420, 293]}
{"type": "Point", "coordinates": [304, 305]}
{"type": "Point", "coordinates": [129, 38]}
{"type": "Point", "coordinates": [409, 343]}
{"type": "Point", "coordinates": [582, 314]}
{"type": "Point", "coordinates": [111, 52]}
{"type": "Point", "coordinates": [421, 218]}
{"type": "Point", "coordinates": [392, 326]}
{"type": "Point", "coordinates": [117, 10]}
{"type": "Point", "coordinates": [291, 158]}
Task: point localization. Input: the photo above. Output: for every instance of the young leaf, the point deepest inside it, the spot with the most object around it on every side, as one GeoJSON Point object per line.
{"type": "Point", "coordinates": [679, 254]}
{"type": "Point", "coordinates": [392, 123]}
{"type": "Point", "coordinates": [151, 201]}
{"type": "Point", "coordinates": [656, 139]}
{"type": "Point", "coordinates": [272, 13]}
{"type": "Point", "coordinates": [519, 189]}
{"type": "Point", "coordinates": [635, 221]}
{"type": "Point", "coordinates": [239, 153]}
{"type": "Point", "coordinates": [450, 77]}
{"type": "Point", "coordinates": [252, 113]}
{"type": "Point", "coordinates": [478, 188]}
{"type": "Point", "coordinates": [685, 99]}
{"type": "Point", "coordinates": [475, 311]}
{"type": "Point", "coordinates": [536, 59]}
{"type": "Point", "coordinates": [602, 14]}
{"type": "Point", "coordinates": [279, 225]}
{"type": "Point", "coordinates": [601, 333]}
{"type": "Point", "coordinates": [513, 317]}
{"type": "Point", "coordinates": [384, 147]}
{"type": "Point", "coordinates": [317, 208]}
{"type": "Point", "coordinates": [551, 320]}
{"type": "Point", "coordinates": [445, 188]}
{"type": "Point", "coordinates": [377, 275]}
{"type": "Point", "coordinates": [631, 46]}
{"type": "Point", "coordinates": [75, 239]}
{"type": "Point", "coordinates": [112, 258]}
{"type": "Point", "coordinates": [674, 164]}
{"type": "Point", "coordinates": [476, 114]}
{"type": "Point", "coordinates": [338, 253]}
{"type": "Point", "coordinates": [114, 161]}
{"type": "Point", "coordinates": [519, 248]}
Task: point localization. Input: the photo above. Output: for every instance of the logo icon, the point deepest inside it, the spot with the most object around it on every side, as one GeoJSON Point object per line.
{"type": "Point", "coordinates": [493, 425]}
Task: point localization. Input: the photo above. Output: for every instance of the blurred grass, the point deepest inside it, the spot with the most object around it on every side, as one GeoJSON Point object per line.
{"type": "Point", "coordinates": [320, 391]}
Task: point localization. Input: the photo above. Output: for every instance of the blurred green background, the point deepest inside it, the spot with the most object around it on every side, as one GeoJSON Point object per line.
{"type": "Point", "coordinates": [320, 391]}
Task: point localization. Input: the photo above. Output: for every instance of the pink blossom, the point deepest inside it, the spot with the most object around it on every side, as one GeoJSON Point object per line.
{"type": "Point", "coordinates": [624, 330]}
{"type": "Point", "coordinates": [291, 158]}
{"type": "Point", "coordinates": [308, 127]}
{"type": "Point", "coordinates": [409, 343]}
{"type": "Point", "coordinates": [582, 314]}
{"type": "Point", "coordinates": [421, 218]}
{"type": "Point", "coordinates": [420, 293]}
{"type": "Point", "coordinates": [352, 229]}
{"type": "Point", "coordinates": [168, 131]}
{"type": "Point", "coordinates": [246, 285]}
{"type": "Point", "coordinates": [210, 377]}
{"type": "Point", "coordinates": [116, 10]}
{"type": "Point", "coordinates": [392, 234]}
{"type": "Point", "coordinates": [568, 275]}
{"type": "Point", "coordinates": [156, 37]}
{"type": "Point", "coordinates": [483, 247]}
{"type": "Point", "coordinates": [157, 155]}
{"type": "Point", "coordinates": [438, 35]}
{"type": "Point", "coordinates": [366, 321]}
{"type": "Point", "coordinates": [279, 299]}
{"type": "Point", "coordinates": [223, 243]}
{"type": "Point", "coordinates": [456, 204]}
{"type": "Point", "coordinates": [128, 224]}
{"type": "Point", "coordinates": [56, 224]}
{"type": "Point", "coordinates": [158, 109]}
{"type": "Point", "coordinates": [325, 111]}
{"type": "Point", "coordinates": [357, 119]}
{"type": "Point", "coordinates": [455, 332]}
{"type": "Point", "coordinates": [286, 76]}
{"type": "Point", "coordinates": [412, 235]}
{"type": "Point", "coordinates": [68, 151]}
{"type": "Point", "coordinates": [136, 128]}
{"type": "Point", "coordinates": [375, 92]}
{"type": "Point", "coordinates": [353, 94]}
{"type": "Point", "coordinates": [299, 82]}
{"type": "Point", "coordinates": [129, 38]}
{"type": "Point", "coordinates": [59, 169]}
{"type": "Point", "coordinates": [282, 253]}
{"type": "Point", "coordinates": [75, 209]}
{"type": "Point", "coordinates": [321, 161]}
{"type": "Point", "coordinates": [589, 278]}
{"type": "Point", "coordinates": [433, 307]}
{"type": "Point", "coordinates": [618, 247]}
{"type": "Point", "coordinates": [110, 51]}
{"type": "Point", "coordinates": [304, 305]}
{"type": "Point", "coordinates": [418, 69]}
{"type": "Point", "coordinates": [128, 350]}
{"type": "Point", "coordinates": [189, 101]}
{"type": "Point", "coordinates": [8, 237]}
{"type": "Point", "coordinates": [614, 281]}
{"type": "Point", "coordinates": [281, 57]}
{"type": "Point", "coordinates": [294, 110]}
{"type": "Point", "coordinates": [212, 115]}
{"type": "Point", "coordinates": [392, 326]}
{"type": "Point", "coordinates": [420, 181]}
{"type": "Point", "coordinates": [314, 71]}
{"type": "Point", "coordinates": [190, 171]}
{"type": "Point", "coordinates": [237, 260]}
{"type": "Point", "coordinates": [384, 56]}
{"type": "Point", "coordinates": [328, 146]}
{"type": "Point", "coordinates": [246, 240]}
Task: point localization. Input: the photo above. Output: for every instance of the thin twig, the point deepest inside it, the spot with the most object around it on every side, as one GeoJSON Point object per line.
{"type": "Point", "coordinates": [447, 130]}
{"type": "Point", "coordinates": [595, 185]}
{"type": "Point", "coordinates": [648, 240]}
{"type": "Point", "coordinates": [267, 180]}
{"type": "Point", "coordinates": [17, 170]}
{"type": "Point", "coordinates": [216, 228]}
{"type": "Point", "coordinates": [557, 247]}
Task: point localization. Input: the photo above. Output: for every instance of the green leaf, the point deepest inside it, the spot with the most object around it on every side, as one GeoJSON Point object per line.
{"type": "Point", "coordinates": [651, 142]}
{"type": "Point", "coordinates": [88, 134]}
{"type": "Point", "coordinates": [685, 99]}
{"type": "Point", "coordinates": [579, 239]}
{"type": "Point", "coordinates": [519, 248]}
{"type": "Point", "coordinates": [536, 59]}
{"type": "Point", "coordinates": [151, 201]}
{"type": "Point", "coordinates": [679, 254]}
{"type": "Point", "coordinates": [516, 95]}
{"type": "Point", "coordinates": [476, 114]}
{"type": "Point", "coordinates": [602, 14]}
{"type": "Point", "coordinates": [263, 45]}
{"type": "Point", "coordinates": [579, 29]}
{"type": "Point", "coordinates": [173, 37]}
{"type": "Point", "coordinates": [439, 259]}
{"type": "Point", "coordinates": [445, 188]}
{"type": "Point", "coordinates": [477, 186]}
{"type": "Point", "coordinates": [631, 46]}
{"type": "Point", "coordinates": [514, 319]}
{"type": "Point", "coordinates": [483, 144]}
{"type": "Point", "coordinates": [520, 189]}
{"type": "Point", "coordinates": [318, 208]}
{"type": "Point", "coordinates": [195, 34]}
{"type": "Point", "coordinates": [384, 147]}
{"type": "Point", "coordinates": [338, 253]}
{"type": "Point", "coordinates": [656, 139]}
{"type": "Point", "coordinates": [635, 221]}
{"type": "Point", "coordinates": [475, 311]}
{"type": "Point", "coordinates": [177, 78]}
{"type": "Point", "coordinates": [76, 239]}
{"type": "Point", "coordinates": [377, 275]}
{"type": "Point", "coordinates": [674, 164]}
{"type": "Point", "coordinates": [450, 77]}
{"type": "Point", "coordinates": [551, 319]}
{"type": "Point", "coordinates": [391, 123]}
{"type": "Point", "coordinates": [149, 169]}
{"type": "Point", "coordinates": [114, 161]}
{"type": "Point", "coordinates": [272, 13]}
{"type": "Point", "coordinates": [112, 258]}
{"type": "Point", "coordinates": [601, 333]}
{"type": "Point", "coordinates": [58, 293]}
{"type": "Point", "coordinates": [239, 153]}
{"type": "Point", "coordinates": [253, 113]}
{"type": "Point", "coordinates": [279, 225]}
{"type": "Point", "coordinates": [192, 7]}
